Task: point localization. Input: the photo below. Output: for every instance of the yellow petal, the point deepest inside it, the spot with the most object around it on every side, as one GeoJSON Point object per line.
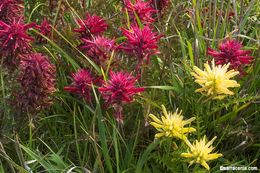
{"type": "Point", "coordinates": [187, 155]}
{"type": "Point", "coordinates": [156, 125]}
{"type": "Point", "coordinates": [159, 135]}
{"type": "Point", "coordinates": [155, 118]}
{"type": "Point", "coordinates": [214, 156]}
{"type": "Point", "coordinates": [204, 163]}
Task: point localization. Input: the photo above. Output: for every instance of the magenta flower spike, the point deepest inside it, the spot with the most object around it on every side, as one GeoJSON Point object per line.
{"type": "Point", "coordinates": [44, 28]}
{"type": "Point", "coordinates": [142, 9]}
{"type": "Point", "coordinates": [140, 42]}
{"type": "Point", "coordinates": [119, 90]}
{"type": "Point", "coordinates": [81, 84]}
{"type": "Point", "coordinates": [37, 80]}
{"type": "Point", "coordinates": [99, 49]}
{"type": "Point", "coordinates": [14, 37]}
{"type": "Point", "coordinates": [10, 10]}
{"type": "Point", "coordinates": [230, 52]}
{"type": "Point", "coordinates": [92, 25]}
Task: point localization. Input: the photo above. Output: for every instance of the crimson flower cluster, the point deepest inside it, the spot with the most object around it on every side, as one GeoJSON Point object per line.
{"type": "Point", "coordinates": [142, 9]}
{"type": "Point", "coordinates": [81, 85]}
{"type": "Point", "coordinates": [99, 49]}
{"type": "Point", "coordinates": [140, 42]}
{"type": "Point", "coordinates": [230, 52]}
{"type": "Point", "coordinates": [92, 25]}
{"type": "Point", "coordinates": [14, 38]}
{"type": "Point", "coordinates": [37, 81]}
{"type": "Point", "coordinates": [119, 90]}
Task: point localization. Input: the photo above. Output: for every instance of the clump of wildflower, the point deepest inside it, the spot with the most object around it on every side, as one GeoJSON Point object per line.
{"type": "Point", "coordinates": [92, 25]}
{"type": "Point", "coordinates": [141, 42]}
{"type": "Point", "coordinates": [230, 52]}
{"type": "Point", "coordinates": [37, 81]}
{"type": "Point", "coordinates": [119, 90]}
{"type": "Point", "coordinates": [44, 28]}
{"type": "Point", "coordinates": [14, 38]}
{"type": "Point", "coordinates": [215, 81]}
{"type": "Point", "coordinates": [99, 49]}
{"type": "Point", "coordinates": [10, 10]}
{"type": "Point", "coordinates": [200, 152]}
{"type": "Point", "coordinates": [81, 85]}
{"type": "Point", "coordinates": [142, 9]}
{"type": "Point", "coordinates": [172, 125]}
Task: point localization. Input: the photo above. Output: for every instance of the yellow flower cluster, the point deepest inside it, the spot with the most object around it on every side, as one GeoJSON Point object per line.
{"type": "Point", "coordinates": [200, 152]}
{"type": "Point", "coordinates": [173, 125]}
{"type": "Point", "coordinates": [215, 81]}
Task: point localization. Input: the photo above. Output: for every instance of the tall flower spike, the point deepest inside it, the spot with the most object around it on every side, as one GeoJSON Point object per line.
{"type": "Point", "coordinates": [91, 25]}
{"type": "Point", "coordinates": [142, 9]}
{"type": "Point", "coordinates": [140, 42]}
{"type": "Point", "coordinates": [230, 52]}
{"type": "Point", "coordinates": [172, 125]}
{"type": "Point", "coordinates": [215, 81]}
{"type": "Point", "coordinates": [99, 49]}
{"type": "Point", "coordinates": [37, 80]}
{"type": "Point", "coordinates": [13, 37]}
{"type": "Point", "coordinates": [81, 84]}
{"type": "Point", "coordinates": [200, 152]}
{"type": "Point", "coordinates": [119, 90]}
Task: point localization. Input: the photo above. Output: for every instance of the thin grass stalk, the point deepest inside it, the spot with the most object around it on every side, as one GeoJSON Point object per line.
{"type": "Point", "coordinates": [219, 18]}
{"type": "Point", "coordinates": [2, 150]}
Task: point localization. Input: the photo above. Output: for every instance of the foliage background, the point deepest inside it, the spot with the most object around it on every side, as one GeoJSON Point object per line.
{"type": "Point", "coordinates": [75, 137]}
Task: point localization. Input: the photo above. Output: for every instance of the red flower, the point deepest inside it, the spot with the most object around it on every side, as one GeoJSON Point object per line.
{"type": "Point", "coordinates": [37, 80]}
{"type": "Point", "coordinates": [91, 25]}
{"type": "Point", "coordinates": [141, 42]}
{"type": "Point", "coordinates": [119, 90]}
{"type": "Point", "coordinates": [230, 52]}
{"type": "Point", "coordinates": [10, 9]}
{"type": "Point", "coordinates": [81, 84]}
{"type": "Point", "coordinates": [99, 49]}
{"type": "Point", "coordinates": [44, 28]}
{"type": "Point", "coordinates": [143, 10]}
{"type": "Point", "coordinates": [13, 37]}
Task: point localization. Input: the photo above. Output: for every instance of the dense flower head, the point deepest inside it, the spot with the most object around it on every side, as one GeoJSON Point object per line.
{"type": "Point", "coordinates": [215, 81]}
{"type": "Point", "coordinates": [172, 125]}
{"type": "Point", "coordinates": [142, 9]}
{"type": "Point", "coordinates": [230, 52]}
{"type": "Point", "coordinates": [81, 85]}
{"type": "Point", "coordinates": [99, 49]}
{"type": "Point", "coordinates": [14, 37]}
{"type": "Point", "coordinates": [44, 28]}
{"type": "Point", "coordinates": [141, 42]}
{"type": "Point", "coordinates": [37, 80]}
{"type": "Point", "coordinates": [10, 10]}
{"type": "Point", "coordinates": [91, 25]}
{"type": "Point", "coordinates": [119, 90]}
{"type": "Point", "coordinates": [200, 152]}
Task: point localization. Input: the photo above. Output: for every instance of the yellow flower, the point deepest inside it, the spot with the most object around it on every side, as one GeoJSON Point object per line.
{"type": "Point", "coordinates": [172, 125]}
{"type": "Point", "coordinates": [200, 152]}
{"type": "Point", "coordinates": [215, 81]}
